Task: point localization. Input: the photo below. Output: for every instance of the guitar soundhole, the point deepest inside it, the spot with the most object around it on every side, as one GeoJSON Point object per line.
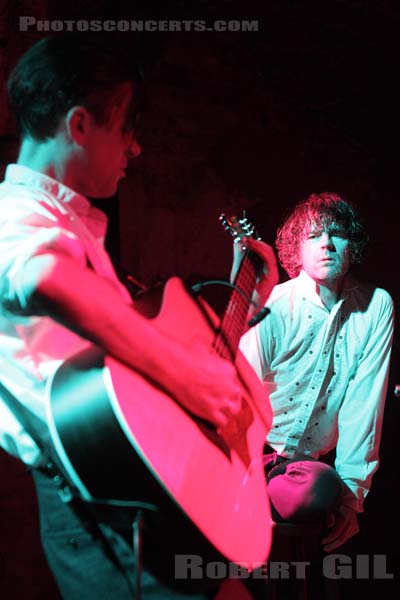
{"type": "Point", "coordinates": [211, 433]}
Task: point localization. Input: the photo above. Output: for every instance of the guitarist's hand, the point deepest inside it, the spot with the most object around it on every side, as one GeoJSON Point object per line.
{"type": "Point", "coordinates": [197, 378]}
{"type": "Point", "coordinates": [269, 274]}
{"type": "Point", "coordinates": [214, 392]}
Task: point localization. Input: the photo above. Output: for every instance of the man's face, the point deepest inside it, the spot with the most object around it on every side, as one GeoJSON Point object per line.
{"type": "Point", "coordinates": [325, 254]}
{"type": "Point", "coordinates": [107, 149]}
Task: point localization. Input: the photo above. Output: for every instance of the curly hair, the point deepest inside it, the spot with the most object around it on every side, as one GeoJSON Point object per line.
{"type": "Point", "coordinates": [325, 212]}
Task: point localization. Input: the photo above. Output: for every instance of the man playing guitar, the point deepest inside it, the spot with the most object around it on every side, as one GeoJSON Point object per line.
{"type": "Point", "coordinates": [76, 106]}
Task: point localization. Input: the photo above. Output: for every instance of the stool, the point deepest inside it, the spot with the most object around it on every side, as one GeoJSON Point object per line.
{"type": "Point", "coordinates": [295, 566]}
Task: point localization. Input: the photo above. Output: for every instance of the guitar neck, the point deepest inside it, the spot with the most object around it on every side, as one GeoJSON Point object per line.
{"type": "Point", "coordinates": [234, 319]}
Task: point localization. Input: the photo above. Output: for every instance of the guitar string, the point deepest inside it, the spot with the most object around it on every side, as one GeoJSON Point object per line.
{"type": "Point", "coordinates": [235, 315]}
{"type": "Point", "coordinates": [236, 312]}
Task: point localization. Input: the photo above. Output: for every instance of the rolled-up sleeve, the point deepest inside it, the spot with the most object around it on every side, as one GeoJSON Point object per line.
{"type": "Point", "coordinates": [29, 230]}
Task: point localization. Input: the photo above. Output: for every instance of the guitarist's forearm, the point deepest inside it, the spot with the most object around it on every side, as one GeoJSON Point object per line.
{"type": "Point", "coordinates": [79, 299]}
{"type": "Point", "coordinates": [54, 285]}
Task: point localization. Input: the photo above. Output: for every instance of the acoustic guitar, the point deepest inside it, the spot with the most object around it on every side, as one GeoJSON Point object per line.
{"type": "Point", "coordinates": [121, 437]}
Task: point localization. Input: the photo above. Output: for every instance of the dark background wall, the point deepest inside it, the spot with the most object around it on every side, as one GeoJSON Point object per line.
{"type": "Point", "coordinates": [239, 120]}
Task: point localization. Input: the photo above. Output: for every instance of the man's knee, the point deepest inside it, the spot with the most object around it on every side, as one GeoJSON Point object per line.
{"type": "Point", "coordinates": [303, 490]}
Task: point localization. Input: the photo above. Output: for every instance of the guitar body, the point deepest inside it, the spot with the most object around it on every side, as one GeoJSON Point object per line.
{"type": "Point", "coordinates": [120, 436]}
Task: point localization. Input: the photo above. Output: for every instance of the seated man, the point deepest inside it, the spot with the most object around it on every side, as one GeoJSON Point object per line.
{"type": "Point", "coordinates": [323, 354]}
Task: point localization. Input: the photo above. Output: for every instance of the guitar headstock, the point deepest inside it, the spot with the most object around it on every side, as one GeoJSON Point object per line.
{"type": "Point", "coordinates": [238, 228]}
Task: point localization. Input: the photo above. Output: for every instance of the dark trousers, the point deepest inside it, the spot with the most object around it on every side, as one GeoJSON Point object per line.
{"type": "Point", "coordinates": [90, 558]}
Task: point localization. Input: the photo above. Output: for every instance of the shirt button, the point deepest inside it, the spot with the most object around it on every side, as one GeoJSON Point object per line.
{"type": "Point", "coordinates": [291, 399]}
{"type": "Point", "coordinates": [310, 352]}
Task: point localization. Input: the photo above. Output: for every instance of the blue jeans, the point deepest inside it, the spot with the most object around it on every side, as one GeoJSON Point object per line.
{"type": "Point", "coordinates": [92, 559]}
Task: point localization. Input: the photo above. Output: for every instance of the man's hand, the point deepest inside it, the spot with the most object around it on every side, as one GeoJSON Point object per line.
{"type": "Point", "coordinates": [208, 385]}
{"type": "Point", "coordinates": [269, 274]}
{"type": "Point", "coordinates": [344, 526]}
{"type": "Point", "coordinates": [193, 374]}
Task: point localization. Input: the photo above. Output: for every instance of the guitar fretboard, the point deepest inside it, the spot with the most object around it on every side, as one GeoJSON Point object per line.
{"type": "Point", "coordinates": [232, 325]}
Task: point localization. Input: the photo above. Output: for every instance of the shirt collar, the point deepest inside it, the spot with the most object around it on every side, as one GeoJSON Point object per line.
{"type": "Point", "coordinates": [20, 175]}
{"type": "Point", "coordinates": [308, 287]}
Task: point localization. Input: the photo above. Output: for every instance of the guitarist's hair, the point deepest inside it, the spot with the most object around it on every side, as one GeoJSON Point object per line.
{"type": "Point", "coordinates": [324, 212]}
{"type": "Point", "coordinates": [66, 70]}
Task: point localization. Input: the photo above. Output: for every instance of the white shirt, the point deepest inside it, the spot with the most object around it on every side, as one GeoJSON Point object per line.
{"type": "Point", "coordinates": [39, 214]}
{"type": "Point", "coordinates": [326, 374]}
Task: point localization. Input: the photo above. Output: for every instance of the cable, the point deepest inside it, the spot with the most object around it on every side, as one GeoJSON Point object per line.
{"type": "Point", "coordinates": [137, 526]}
{"type": "Point", "coordinates": [125, 504]}
{"type": "Point", "coordinates": [259, 316]}
{"type": "Point", "coordinates": [197, 287]}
